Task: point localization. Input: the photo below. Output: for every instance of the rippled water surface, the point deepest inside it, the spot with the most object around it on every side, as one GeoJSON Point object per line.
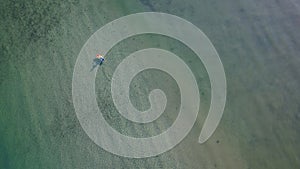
{"type": "Point", "coordinates": [258, 43]}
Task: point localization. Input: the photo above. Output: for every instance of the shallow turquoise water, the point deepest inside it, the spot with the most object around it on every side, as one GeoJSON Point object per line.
{"type": "Point", "coordinates": [258, 43]}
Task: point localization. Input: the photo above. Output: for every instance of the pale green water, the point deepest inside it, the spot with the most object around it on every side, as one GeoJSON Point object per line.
{"type": "Point", "coordinates": [259, 46]}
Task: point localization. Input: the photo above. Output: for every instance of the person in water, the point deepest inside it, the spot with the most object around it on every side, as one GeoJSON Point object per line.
{"type": "Point", "coordinates": [98, 61]}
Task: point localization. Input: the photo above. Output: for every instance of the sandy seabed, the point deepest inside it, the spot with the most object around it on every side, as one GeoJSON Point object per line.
{"type": "Point", "coordinates": [258, 43]}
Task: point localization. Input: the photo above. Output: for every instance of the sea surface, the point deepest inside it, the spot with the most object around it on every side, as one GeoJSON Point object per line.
{"type": "Point", "coordinates": [258, 43]}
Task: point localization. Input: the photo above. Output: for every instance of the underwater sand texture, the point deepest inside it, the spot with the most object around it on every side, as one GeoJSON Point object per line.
{"type": "Point", "coordinates": [258, 43]}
